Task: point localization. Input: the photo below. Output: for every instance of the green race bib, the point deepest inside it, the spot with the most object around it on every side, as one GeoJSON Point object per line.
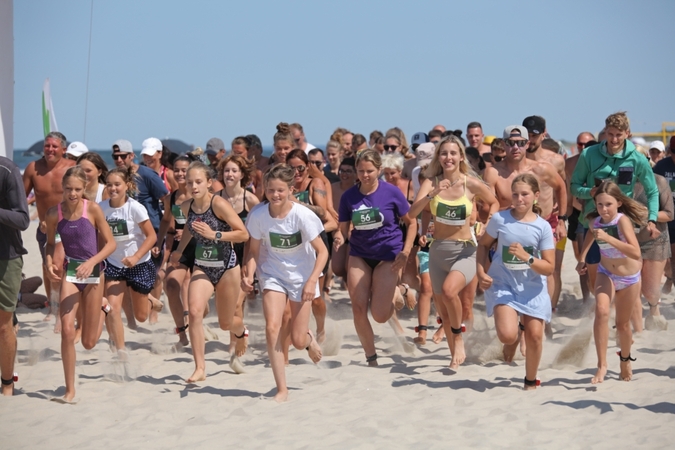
{"type": "Point", "coordinates": [71, 268]}
{"type": "Point", "coordinates": [57, 238]}
{"type": "Point", "coordinates": [178, 215]}
{"type": "Point", "coordinates": [285, 243]}
{"type": "Point", "coordinates": [367, 218]}
{"type": "Point", "coordinates": [120, 229]}
{"type": "Point", "coordinates": [451, 215]}
{"type": "Point", "coordinates": [302, 196]}
{"type": "Point", "coordinates": [511, 262]}
{"type": "Point", "coordinates": [612, 231]}
{"type": "Point", "coordinates": [209, 255]}
{"type": "Point", "coordinates": [671, 182]}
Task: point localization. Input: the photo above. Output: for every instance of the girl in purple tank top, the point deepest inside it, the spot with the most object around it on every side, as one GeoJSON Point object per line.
{"type": "Point", "coordinates": [611, 226]}
{"type": "Point", "coordinates": [80, 223]}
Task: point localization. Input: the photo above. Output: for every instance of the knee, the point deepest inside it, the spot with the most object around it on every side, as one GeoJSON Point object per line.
{"type": "Point", "coordinates": [172, 284]}
{"type": "Point", "coordinates": [272, 329]}
{"type": "Point", "coordinates": [299, 339]}
{"type": "Point", "coordinates": [88, 343]}
{"type": "Point", "coordinates": [535, 338]}
{"type": "Point", "coordinates": [359, 309]}
{"type": "Point", "coordinates": [601, 311]}
{"type": "Point", "coordinates": [507, 336]}
{"type": "Point", "coordinates": [68, 332]}
{"type": "Point", "coordinates": [382, 316]}
{"type": "Point", "coordinates": [224, 324]}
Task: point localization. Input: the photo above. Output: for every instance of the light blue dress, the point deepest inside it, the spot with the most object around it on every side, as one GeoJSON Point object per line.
{"type": "Point", "coordinates": [514, 283]}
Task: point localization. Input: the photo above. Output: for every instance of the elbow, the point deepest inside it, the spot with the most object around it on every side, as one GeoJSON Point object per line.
{"type": "Point", "coordinates": [24, 222]}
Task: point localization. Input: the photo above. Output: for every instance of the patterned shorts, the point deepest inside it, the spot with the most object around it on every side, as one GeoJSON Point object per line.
{"type": "Point", "coordinates": [141, 278]}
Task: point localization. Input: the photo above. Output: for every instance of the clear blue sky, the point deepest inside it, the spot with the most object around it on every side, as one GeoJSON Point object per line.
{"type": "Point", "coordinates": [198, 69]}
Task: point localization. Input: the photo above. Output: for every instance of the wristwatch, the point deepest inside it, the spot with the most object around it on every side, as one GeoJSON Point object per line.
{"type": "Point", "coordinates": [530, 261]}
{"type": "Point", "coordinates": [219, 235]}
{"type": "Point", "coordinates": [563, 217]}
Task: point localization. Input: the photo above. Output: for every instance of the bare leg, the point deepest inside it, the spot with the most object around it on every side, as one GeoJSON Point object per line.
{"type": "Point", "coordinates": [359, 284]}
{"type": "Point", "coordinates": [115, 295]}
{"type": "Point", "coordinates": [128, 308]}
{"type": "Point", "coordinates": [652, 273]}
{"type": "Point", "coordinates": [199, 293]}
{"type": "Point", "coordinates": [319, 311]}
{"type": "Point", "coordinates": [534, 333]}
{"type": "Point", "coordinates": [173, 284]}
{"type": "Point", "coordinates": [274, 304]}
{"type": "Point", "coordinates": [7, 350]}
{"type": "Point", "coordinates": [625, 302]}
{"type": "Point", "coordinates": [467, 296]}
{"type": "Point", "coordinates": [453, 283]}
{"type": "Point", "coordinates": [604, 291]}
{"type": "Point", "coordinates": [506, 324]}
{"type": "Point", "coordinates": [423, 307]}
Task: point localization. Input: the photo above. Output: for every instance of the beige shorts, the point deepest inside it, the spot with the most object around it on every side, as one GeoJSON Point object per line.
{"type": "Point", "coordinates": [448, 256]}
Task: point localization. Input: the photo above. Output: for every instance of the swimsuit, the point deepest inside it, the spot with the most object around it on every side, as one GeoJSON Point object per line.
{"type": "Point", "coordinates": [608, 251]}
{"type": "Point", "coordinates": [239, 246]}
{"type": "Point", "coordinates": [212, 257]}
{"type": "Point", "coordinates": [79, 238]}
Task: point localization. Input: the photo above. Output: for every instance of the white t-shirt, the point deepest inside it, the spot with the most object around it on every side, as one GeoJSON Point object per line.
{"type": "Point", "coordinates": [286, 252]}
{"type": "Point", "coordinates": [127, 233]}
{"type": "Point", "coordinates": [309, 147]}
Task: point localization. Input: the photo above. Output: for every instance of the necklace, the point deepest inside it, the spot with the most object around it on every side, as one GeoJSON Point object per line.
{"type": "Point", "coordinates": [232, 200]}
{"type": "Point", "coordinates": [452, 183]}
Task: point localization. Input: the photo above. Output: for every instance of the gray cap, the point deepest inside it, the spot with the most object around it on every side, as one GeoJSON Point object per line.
{"type": "Point", "coordinates": [213, 146]}
{"type": "Point", "coordinates": [515, 131]}
{"type": "Point", "coordinates": [123, 146]}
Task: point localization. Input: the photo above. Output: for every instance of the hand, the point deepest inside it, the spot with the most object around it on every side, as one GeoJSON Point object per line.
{"type": "Point", "coordinates": [174, 258]}
{"type": "Point", "coordinates": [314, 171]}
{"type": "Point", "coordinates": [43, 227]}
{"type": "Point", "coordinates": [442, 185]}
{"type": "Point", "coordinates": [247, 284]}
{"type": "Point", "coordinates": [155, 251]}
{"type": "Point", "coordinates": [560, 230]}
{"type": "Point", "coordinates": [51, 273]}
{"type": "Point", "coordinates": [84, 270]}
{"type": "Point", "coordinates": [593, 191]}
{"type": "Point", "coordinates": [653, 231]}
{"type": "Point", "coordinates": [338, 240]}
{"type": "Point", "coordinates": [178, 235]}
{"type": "Point", "coordinates": [582, 268]}
{"type": "Point", "coordinates": [309, 290]}
{"type": "Point", "coordinates": [423, 240]}
{"type": "Point", "coordinates": [484, 281]}
{"type": "Point", "coordinates": [204, 230]}
{"type": "Point", "coordinates": [400, 261]}
{"type": "Point", "coordinates": [600, 234]}
{"type": "Point", "coordinates": [518, 251]}
{"type": "Point", "coordinates": [130, 261]}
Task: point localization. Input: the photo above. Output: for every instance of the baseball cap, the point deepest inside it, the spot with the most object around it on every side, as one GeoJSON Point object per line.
{"type": "Point", "coordinates": [123, 146]}
{"type": "Point", "coordinates": [213, 146]}
{"type": "Point", "coordinates": [515, 131]}
{"type": "Point", "coordinates": [419, 138]}
{"type": "Point", "coordinates": [424, 153]}
{"type": "Point", "coordinates": [487, 140]}
{"type": "Point", "coordinates": [151, 146]}
{"type": "Point", "coordinates": [77, 149]}
{"type": "Point", "coordinates": [656, 144]}
{"type": "Point", "coordinates": [535, 124]}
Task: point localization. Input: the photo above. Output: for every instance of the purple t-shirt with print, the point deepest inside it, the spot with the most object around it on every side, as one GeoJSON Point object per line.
{"type": "Point", "coordinates": [375, 217]}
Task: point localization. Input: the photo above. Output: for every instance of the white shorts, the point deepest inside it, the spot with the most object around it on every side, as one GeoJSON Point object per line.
{"type": "Point", "coordinates": [292, 290]}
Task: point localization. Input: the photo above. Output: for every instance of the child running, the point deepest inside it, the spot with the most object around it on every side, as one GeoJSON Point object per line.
{"type": "Point", "coordinates": [214, 226]}
{"type": "Point", "coordinates": [287, 250]}
{"type": "Point", "coordinates": [80, 223]}
{"type": "Point", "coordinates": [516, 281]}
{"type": "Point", "coordinates": [129, 266]}
{"type": "Point", "coordinates": [618, 272]}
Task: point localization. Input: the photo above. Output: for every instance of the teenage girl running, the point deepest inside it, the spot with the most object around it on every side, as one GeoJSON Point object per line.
{"type": "Point", "coordinates": [288, 253]}
{"type": "Point", "coordinates": [516, 281]}
{"type": "Point", "coordinates": [611, 226]}
{"type": "Point", "coordinates": [81, 224]}
{"type": "Point", "coordinates": [214, 226]}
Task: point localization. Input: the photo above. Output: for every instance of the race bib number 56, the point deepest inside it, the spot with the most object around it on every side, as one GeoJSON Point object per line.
{"type": "Point", "coordinates": [367, 218]}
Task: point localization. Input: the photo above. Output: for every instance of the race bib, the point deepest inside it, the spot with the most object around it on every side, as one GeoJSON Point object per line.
{"type": "Point", "coordinates": [367, 218]}
{"type": "Point", "coordinates": [178, 215]}
{"type": "Point", "coordinates": [671, 182]}
{"type": "Point", "coordinates": [57, 238]}
{"type": "Point", "coordinates": [209, 255]}
{"type": "Point", "coordinates": [451, 215]}
{"type": "Point", "coordinates": [120, 229]}
{"type": "Point", "coordinates": [511, 262]}
{"type": "Point", "coordinates": [612, 231]}
{"type": "Point", "coordinates": [302, 196]}
{"type": "Point", "coordinates": [285, 243]}
{"type": "Point", "coordinates": [71, 276]}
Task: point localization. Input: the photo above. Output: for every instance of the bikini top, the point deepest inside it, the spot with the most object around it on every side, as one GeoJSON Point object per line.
{"type": "Point", "coordinates": [451, 212]}
{"type": "Point", "coordinates": [611, 228]}
{"type": "Point", "coordinates": [79, 237]}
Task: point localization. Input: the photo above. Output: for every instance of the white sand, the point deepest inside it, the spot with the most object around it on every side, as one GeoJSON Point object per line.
{"type": "Point", "coordinates": [410, 400]}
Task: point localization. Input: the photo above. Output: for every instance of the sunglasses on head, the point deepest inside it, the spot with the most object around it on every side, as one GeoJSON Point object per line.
{"type": "Point", "coordinates": [390, 148]}
{"type": "Point", "coordinates": [512, 143]}
{"type": "Point", "coordinates": [122, 156]}
{"type": "Point", "coordinates": [300, 169]}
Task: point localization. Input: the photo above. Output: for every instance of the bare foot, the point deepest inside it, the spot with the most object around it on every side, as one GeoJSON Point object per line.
{"type": "Point", "coordinates": [626, 371]}
{"type": "Point", "coordinates": [8, 390]}
{"type": "Point", "coordinates": [183, 339]}
{"type": "Point", "coordinates": [314, 349]}
{"type": "Point", "coordinates": [48, 317]}
{"type": "Point", "coordinates": [529, 388]}
{"type": "Point", "coordinates": [198, 375]}
{"type": "Point", "coordinates": [281, 396]}
{"type": "Point", "coordinates": [66, 399]}
{"type": "Point", "coordinates": [399, 302]}
{"type": "Point", "coordinates": [153, 318]}
{"type": "Point", "coordinates": [599, 375]}
{"type": "Point", "coordinates": [57, 327]}
{"type": "Point", "coordinates": [409, 297]}
{"type": "Point", "coordinates": [421, 338]}
{"type": "Point", "coordinates": [509, 351]}
{"type": "Point", "coordinates": [155, 304]}
{"type": "Point", "coordinates": [236, 365]}
{"type": "Point", "coordinates": [459, 355]}
{"type": "Point", "coordinates": [438, 336]}
{"type": "Point", "coordinates": [242, 344]}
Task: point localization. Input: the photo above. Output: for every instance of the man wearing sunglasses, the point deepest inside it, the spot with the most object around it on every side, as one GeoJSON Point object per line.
{"type": "Point", "coordinates": [299, 138]}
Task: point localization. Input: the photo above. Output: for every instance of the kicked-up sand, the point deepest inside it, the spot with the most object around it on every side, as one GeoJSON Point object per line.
{"type": "Point", "coordinates": [141, 400]}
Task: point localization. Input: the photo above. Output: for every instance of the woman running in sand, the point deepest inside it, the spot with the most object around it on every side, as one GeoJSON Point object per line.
{"type": "Point", "coordinates": [312, 193]}
{"type": "Point", "coordinates": [236, 172]}
{"type": "Point", "coordinates": [129, 266]}
{"type": "Point", "coordinates": [377, 251]}
{"type": "Point", "coordinates": [449, 192]}
{"type": "Point", "coordinates": [96, 171]}
{"type": "Point", "coordinates": [288, 253]}
{"type": "Point", "coordinates": [177, 277]}
{"type": "Point", "coordinates": [618, 272]}
{"type": "Point", "coordinates": [80, 223]}
{"type": "Point", "coordinates": [516, 281]}
{"type": "Point", "coordinates": [214, 226]}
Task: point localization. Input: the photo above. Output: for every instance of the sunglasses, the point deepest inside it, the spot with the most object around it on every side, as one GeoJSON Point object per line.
{"type": "Point", "coordinates": [390, 148]}
{"type": "Point", "coordinates": [346, 171]}
{"type": "Point", "coordinates": [497, 158]}
{"type": "Point", "coordinates": [511, 143]}
{"type": "Point", "coordinates": [122, 156]}
{"type": "Point", "coordinates": [316, 163]}
{"type": "Point", "coordinates": [300, 169]}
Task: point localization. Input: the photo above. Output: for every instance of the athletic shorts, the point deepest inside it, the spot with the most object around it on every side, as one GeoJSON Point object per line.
{"type": "Point", "coordinates": [424, 261]}
{"type": "Point", "coordinates": [10, 283]}
{"type": "Point", "coordinates": [292, 290]}
{"type": "Point", "coordinates": [140, 278]}
{"type": "Point", "coordinates": [593, 255]}
{"type": "Point", "coordinates": [553, 222]}
{"type": "Point", "coordinates": [448, 256]}
{"type": "Point", "coordinates": [573, 224]}
{"type": "Point", "coordinates": [560, 245]}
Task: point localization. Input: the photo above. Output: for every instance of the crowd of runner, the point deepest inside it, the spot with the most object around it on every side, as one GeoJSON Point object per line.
{"type": "Point", "coordinates": [438, 220]}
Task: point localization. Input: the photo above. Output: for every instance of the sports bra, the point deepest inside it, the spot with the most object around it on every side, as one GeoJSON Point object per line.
{"type": "Point", "coordinates": [611, 228]}
{"type": "Point", "coordinates": [451, 212]}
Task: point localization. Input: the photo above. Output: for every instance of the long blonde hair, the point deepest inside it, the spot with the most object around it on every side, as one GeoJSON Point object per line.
{"type": "Point", "coordinates": [435, 168]}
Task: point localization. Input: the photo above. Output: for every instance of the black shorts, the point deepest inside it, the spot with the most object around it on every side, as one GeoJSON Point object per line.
{"type": "Point", "coordinates": [328, 243]}
{"type": "Point", "coordinates": [188, 257]}
{"type": "Point", "coordinates": [141, 278]}
{"type": "Point", "coordinates": [572, 224]}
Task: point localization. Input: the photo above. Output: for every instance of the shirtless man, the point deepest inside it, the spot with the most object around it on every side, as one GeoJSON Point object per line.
{"type": "Point", "coordinates": [536, 131]}
{"type": "Point", "coordinates": [551, 185]}
{"type": "Point", "coordinates": [475, 136]}
{"type": "Point", "coordinates": [347, 179]}
{"type": "Point", "coordinates": [574, 207]}
{"type": "Point", "coordinates": [44, 176]}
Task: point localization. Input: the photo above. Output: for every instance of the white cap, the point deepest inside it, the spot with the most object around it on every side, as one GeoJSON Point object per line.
{"type": "Point", "coordinates": [659, 145]}
{"type": "Point", "coordinates": [151, 146]}
{"type": "Point", "coordinates": [78, 148]}
{"type": "Point", "coordinates": [425, 153]}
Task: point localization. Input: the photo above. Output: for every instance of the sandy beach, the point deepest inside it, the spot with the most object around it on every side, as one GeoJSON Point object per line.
{"type": "Point", "coordinates": [411, 400]}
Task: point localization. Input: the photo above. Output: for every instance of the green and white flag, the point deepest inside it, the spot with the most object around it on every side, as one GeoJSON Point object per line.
{"type": "Point", "coordinates": [48, 117]}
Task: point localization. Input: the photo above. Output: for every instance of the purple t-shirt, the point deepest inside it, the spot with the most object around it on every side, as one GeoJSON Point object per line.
{"type": "Point", "coordinates": [376, 233]}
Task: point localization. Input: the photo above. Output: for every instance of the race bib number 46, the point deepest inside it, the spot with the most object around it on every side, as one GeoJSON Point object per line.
{"type": "Point", "coordinates": [451, 215]}
{"type": "Point", "coordinates": [367, 218]}
{"type": "Point", "coordinates": [285, 243]}
{"type": "Point", "coordinates": [120, 229]}
{"type": "Point", "coordinates": [71, 273]}
{"type": "Point", "coordinates": [209, 256]}
{"type": "Point", "coordinates": [511, 262]}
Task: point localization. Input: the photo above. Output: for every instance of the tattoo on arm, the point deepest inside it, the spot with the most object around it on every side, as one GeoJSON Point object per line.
{"type": "Point", "coordinates": [320, 192]}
